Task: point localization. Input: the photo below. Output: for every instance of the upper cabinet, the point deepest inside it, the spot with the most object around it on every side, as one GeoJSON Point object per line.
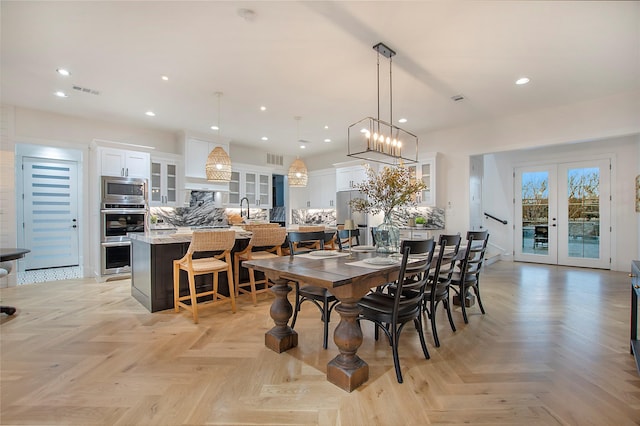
{"type": "Point", "coordinates": [322, 188]}
{"type": "Point", "coordinates": [119, 162]}
{"type": "Point", "coordinates": [426, 172]}
{"type": "Point", "coordinates": [196, 152]}
{"type": "Point", "coordinates": [164, 184]}
{"type": "Point", "coordinates": [348, 177]}
{"type": "Point", "coordinates": [251, 183]}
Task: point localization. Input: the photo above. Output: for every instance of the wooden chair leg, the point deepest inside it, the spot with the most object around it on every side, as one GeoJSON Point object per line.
{"type": "Point", "coordinates": [176, 286]}
{"type": "Point", "coordinates": [252, 282]}
{"type": "Point", "coordinates": [232, 290]}
{"type": "Point", "coordinates": [194, 299]}
{"type": "Point", "coordinates": [236, 271]}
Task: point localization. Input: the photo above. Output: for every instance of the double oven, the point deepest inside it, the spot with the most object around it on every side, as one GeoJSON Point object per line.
{"type": "Point", "coordinates": [124, 210]}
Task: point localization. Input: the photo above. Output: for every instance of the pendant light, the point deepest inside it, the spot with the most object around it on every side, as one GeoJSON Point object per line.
{"type": "Point", "coordinates": [376, 140]}
{"type": "Point", "coordinates": [218, 166]}
{"type": "Point", "coordinates": [298, 175]}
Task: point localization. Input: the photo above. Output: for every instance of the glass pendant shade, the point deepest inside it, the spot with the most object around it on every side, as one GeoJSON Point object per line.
{"type": "Point", "coordinates": [298, 174]}
{"type": "Point", "coordinates": [218, 166]}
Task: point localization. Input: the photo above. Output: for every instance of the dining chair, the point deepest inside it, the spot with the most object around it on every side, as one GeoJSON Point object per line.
{"type": "Point", "coordinates": [468, 276]}
{"type": "Point", "coordinates": [437, 290]}
{"type": "Point", "coordinates": [265, 243]}
{"type": "Point", "coordinates": [220, 244]}
{"type": "Point", "coordinates": [346, 240]}
{"type": "Point", "coordinates": [324, 300]}
{"type": "Point", "coordinates": [305, 241]}
{"type": "Point", "coordinates": [391, 311]}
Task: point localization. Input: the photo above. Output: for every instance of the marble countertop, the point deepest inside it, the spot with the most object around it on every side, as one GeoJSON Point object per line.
{"type": "Point", "coordinates": [171, 237]}
{"type": "Point", "coordinates": [420, 228]}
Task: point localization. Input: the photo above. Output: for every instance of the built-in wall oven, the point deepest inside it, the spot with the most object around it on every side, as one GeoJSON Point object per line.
{"type": "Point", "coordinates": [124, 210]}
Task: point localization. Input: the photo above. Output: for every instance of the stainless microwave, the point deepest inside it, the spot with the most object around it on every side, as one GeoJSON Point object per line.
{"type": "Point", "coordinates": [124, 190]}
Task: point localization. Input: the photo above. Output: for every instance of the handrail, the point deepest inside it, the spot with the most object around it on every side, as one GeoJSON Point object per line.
{"type": "Point", "coordinates": [504, 222]}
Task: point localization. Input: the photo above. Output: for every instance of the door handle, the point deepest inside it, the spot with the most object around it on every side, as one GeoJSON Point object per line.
{"type": "Point", "coordinates": [553, 224]}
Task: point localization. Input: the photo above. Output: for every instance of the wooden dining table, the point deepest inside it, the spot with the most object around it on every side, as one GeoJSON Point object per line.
{"type": "Point", "coordinates": [348, 282]}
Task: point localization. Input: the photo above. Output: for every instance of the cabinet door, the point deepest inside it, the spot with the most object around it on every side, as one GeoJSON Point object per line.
{"type": "Point", "coordinates": [171, 183]}
{"type": "Point", "coordinates": [358, 175]}
{"type": "Point", "coordinates": [234, 189]}
{"type": "Point", "coordinates": [155, 186]}
{"type": "Point", "coordinates": [137, 164]}
{"type": "Point", "coordinates": [111, 162]}
{"type": "Point", "coordinates": [251, 187]}
{"type": "Point", "coordinates": [343, 179]}
{"type": "Point", "coordinates": [164, 183]}
{"type": "Point", "coordinates": [427, 175]}
{"type": "Point", "coordinates": [264, 191]}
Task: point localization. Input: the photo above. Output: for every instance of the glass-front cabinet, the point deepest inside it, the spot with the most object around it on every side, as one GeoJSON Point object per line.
{"type": "Point", "coordinates": [426, 172]}
{"type": "Point", "coordinates": [163, 188]}
{"type": "Point", "coordinates": [255, 185]}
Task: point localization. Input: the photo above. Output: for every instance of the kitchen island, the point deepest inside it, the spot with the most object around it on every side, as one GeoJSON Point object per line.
{"type": "Point", "coordinates": [152, 256]}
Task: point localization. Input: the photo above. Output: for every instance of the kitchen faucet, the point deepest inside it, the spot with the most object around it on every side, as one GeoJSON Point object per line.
{"type": "Point", "coordinates": [243, 199]}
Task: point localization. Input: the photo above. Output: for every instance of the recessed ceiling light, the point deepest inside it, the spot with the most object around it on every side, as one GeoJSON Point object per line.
{"type": "Point", "coordinates": [522, 80]}
{"type": "Point", "coordinates": [327, 140]}
{"type": "Point", "coordinates": [263, 108]}
{"type": "Point", "coordinates": [165, 78]}
{"type": "Point", "coordinates": [63, 71]}
{"type": "Point", "coordinates": [303, 147]}
{"type": "Point", "coordinates": [264, 138]}
{"type": "Point", "coordinates": [402, 120]}
{"type": "Point", "coordinates": [150, 113]}
{"type": "Point", "coordinates": [326, 127]}
{"type": "Point", "coordinates": [215, 128]}
{"type": "Point", "coordinates": [61, 94]}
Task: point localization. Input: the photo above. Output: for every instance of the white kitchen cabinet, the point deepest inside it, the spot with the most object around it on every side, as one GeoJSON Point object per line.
{"type": "Point", "coordinates": [426, 172]}
{"type": "Point", "coordinates": [322, 188]}
{"type": "Point", "coordinates": [164, 185]}
{"type": "Point", "coordinates": [120, 162]}
{"type": "Point", "coordinates": [195, 156]}
{"type": "Point", "coordinates": [414, 234]}
{"type": "Point", "coordinates": [348, 177]}
{"type": "Point", "coordinates": [255, 185]}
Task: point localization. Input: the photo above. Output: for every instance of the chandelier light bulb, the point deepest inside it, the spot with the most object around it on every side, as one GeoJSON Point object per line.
{"type": "Point", "coordinates": [388, 140]}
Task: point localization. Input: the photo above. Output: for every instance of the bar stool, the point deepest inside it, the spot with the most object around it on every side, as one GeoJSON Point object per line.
{"type": "Point", "coordinates": [269, 240]}
{"type": "Point", "coordinates": [220, 242]}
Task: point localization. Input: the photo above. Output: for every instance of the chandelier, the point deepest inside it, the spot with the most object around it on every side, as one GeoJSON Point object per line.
{"type": "Point", "coordinates": [218, 166]}
{"type": "Point", "coordinates": [298, 175]}
{"type": "Point", "coordinates": [376, 140]}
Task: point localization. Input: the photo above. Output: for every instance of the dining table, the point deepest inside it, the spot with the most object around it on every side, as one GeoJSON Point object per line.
{"type": "Point", "coordinates": [349, 276]}
{"type": "Point", "coordinates": [6, 255]}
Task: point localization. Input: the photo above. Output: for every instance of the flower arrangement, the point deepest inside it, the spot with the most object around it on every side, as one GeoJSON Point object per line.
{"type": "Point", "coordinates": [389, 188]}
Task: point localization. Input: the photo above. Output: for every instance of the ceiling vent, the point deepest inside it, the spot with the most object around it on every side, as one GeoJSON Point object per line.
{"type": "Point", "coordinates": [457, 98]}
{"type": "Point", "coordinates": [275, 159]}
{"type": "Point", "coordinates": [86, 90]}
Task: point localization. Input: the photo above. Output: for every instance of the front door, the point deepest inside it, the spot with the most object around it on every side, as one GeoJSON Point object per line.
{"type": "Point", "coordinates": [564, 214]}
{"type": "Point", "coordinates": [50, 206]}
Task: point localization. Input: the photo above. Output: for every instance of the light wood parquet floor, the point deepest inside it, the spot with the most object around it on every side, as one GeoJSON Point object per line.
{"type": "Point", "coordinates": [553, 349]}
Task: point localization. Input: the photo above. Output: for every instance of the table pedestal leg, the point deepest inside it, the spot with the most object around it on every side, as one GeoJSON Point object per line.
{"type": "Point", "coordinates": [347, 370]}
{"type": "Point", "coordinates": [281, 337]}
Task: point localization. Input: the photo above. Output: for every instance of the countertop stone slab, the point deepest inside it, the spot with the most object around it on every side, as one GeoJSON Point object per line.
{"type": "Point", "coordinates": [164, 237]}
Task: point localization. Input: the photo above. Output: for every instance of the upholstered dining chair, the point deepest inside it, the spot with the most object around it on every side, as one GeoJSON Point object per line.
{"type": "Point", "coordinates": [265, 243]}
{"type": "Point", "coordinates": [220, 244]}
{"type": "Point", "coordinates": [324, 300]}
{"type": "Point", "coordinates": [391, 311]}
{"type": "Point", "coordinates": [437, 290]}
{"type": "Point", "coordinates": [468, 277]}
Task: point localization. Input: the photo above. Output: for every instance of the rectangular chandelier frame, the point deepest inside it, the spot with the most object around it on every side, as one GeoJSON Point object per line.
{"type": "Point", "coordinates": [372, 139]}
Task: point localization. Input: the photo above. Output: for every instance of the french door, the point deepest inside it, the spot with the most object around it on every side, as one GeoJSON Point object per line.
{"type": "Point", "coordinates": [50, 208]}
{"type": "Point", "coordinates": [563, 212]}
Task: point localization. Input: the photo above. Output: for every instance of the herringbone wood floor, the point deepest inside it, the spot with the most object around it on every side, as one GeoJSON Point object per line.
{"type": "Point", "coordinates": [553, 349]}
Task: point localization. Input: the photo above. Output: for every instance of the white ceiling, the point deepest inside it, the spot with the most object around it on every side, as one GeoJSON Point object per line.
{"type": "Point", "coordinates": [314, 60]}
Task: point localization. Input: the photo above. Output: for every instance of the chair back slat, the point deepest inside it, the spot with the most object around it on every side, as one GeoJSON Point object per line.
{"type": "Point", "coordinates": [476, 247]}
{"type": "Point", "coordinates": [447, 257]}
{"type": "Point", "coordinates": [296, 237]}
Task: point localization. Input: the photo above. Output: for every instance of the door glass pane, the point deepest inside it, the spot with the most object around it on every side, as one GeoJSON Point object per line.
{"type": "Point", "coordinates": [583, 200]}
{"type": "Point", "coordinates": [535, 212]}
{"type": "Point", "coordinates": [155, 181]}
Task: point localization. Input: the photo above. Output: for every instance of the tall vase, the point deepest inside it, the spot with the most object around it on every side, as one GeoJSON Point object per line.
{"type": "Point", "coordinates": [387, 236]}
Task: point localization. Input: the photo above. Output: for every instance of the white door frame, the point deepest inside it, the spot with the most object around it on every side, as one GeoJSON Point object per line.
{"type": "Point", "coordinates": [559, 226]}
{"type": "Point", "coordinates": [56, 153]}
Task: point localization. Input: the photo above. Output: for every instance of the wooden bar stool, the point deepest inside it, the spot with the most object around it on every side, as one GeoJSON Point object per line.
{"type": "Point", "coordinates": [220, 242]}
{"type": "Point", "coordinates": [269, 241]}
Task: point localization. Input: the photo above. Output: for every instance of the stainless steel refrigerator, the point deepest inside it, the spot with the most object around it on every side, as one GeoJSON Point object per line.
{"type": "Point", "coordinates": [344, 211]}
